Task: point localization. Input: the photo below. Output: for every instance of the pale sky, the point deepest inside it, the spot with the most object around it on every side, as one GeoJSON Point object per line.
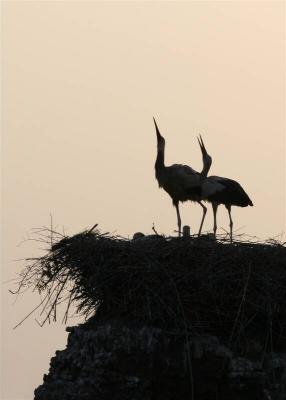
{"type": "Point", "coordinates": [81, 82]}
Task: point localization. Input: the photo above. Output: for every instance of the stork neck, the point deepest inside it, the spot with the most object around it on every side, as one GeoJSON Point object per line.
{"type": "Point", "coordinates": [205, 171]}
{"type": "Point", "coordinates": [159, 164]}
{"type": "Point", "coordinates": [206, 168]}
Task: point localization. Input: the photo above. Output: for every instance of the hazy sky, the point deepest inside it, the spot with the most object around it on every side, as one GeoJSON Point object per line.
{"type": "Point", "coordinates": [81, 82]}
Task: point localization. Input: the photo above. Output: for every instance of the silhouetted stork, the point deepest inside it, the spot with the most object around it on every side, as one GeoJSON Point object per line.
{"type": "Point", "coordinates": [181, 182]}
{"type": "Point", "coordinates": [218, 190]}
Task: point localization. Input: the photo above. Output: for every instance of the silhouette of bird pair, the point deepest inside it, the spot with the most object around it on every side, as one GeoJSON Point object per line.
{"type": "Point", "coordinates": [183, 183]}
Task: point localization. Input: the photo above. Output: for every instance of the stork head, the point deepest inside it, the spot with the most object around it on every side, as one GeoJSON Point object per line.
{"type": "Point", "coordinates": [160, 139]}
{"type": "Point", "coordinates": [207, 160]}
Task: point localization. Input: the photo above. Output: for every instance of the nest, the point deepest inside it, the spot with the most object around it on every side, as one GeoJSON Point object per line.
{"type": "Point", "coordinates": [200, 285]}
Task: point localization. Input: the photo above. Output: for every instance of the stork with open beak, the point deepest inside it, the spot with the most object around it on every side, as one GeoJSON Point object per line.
{"type": "Point", "coordinates": [181, 182]}
{"type": "Point", "coordinates": [219, 190]}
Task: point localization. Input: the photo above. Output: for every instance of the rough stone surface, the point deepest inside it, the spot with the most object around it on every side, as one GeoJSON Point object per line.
{"type": "Point", "coordinates": [118, 362]}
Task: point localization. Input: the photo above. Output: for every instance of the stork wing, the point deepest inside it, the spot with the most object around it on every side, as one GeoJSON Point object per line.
{"type": "Point", "coordinates": [184, 169]}
{"type": "Point", "coordinates": [212, 185]}
{"type": "Point", "coordinates": [225, 190]}
{"type": "Point", "coordinates": [183, 176]}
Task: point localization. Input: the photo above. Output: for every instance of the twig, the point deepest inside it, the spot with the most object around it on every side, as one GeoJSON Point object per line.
{"type": "Point", "coordinates": [94, 226]}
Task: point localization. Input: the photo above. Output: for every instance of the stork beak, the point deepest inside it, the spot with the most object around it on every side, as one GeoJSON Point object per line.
{"type": "Point", "coordinates": [202, 146]}
{"type": "Point", "coordinates": [159, 136]}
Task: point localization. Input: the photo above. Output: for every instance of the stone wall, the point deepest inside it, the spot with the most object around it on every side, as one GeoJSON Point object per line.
{"type": "Point", "coordinates": [117, 362]}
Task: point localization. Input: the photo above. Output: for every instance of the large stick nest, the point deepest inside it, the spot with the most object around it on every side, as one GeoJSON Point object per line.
{"type": "Point", "coordinates": [199, 284]}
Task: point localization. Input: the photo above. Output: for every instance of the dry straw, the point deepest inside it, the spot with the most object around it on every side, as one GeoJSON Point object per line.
{"type": "Point", "coordinates": [203, 285]}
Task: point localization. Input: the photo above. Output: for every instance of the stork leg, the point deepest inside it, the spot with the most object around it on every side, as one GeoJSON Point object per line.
{"type": "Point", "coordinates": [178, 217]}
{"type": "Point", "coordinates": [228, 207]}
{"type": "Point", "coordinates": [215, 206]}
{"type": "Point", "coordinates": [203, 218]}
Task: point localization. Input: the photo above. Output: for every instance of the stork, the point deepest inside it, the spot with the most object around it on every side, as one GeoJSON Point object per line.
{"type": "Point", "coordinates": [218, 190]}
{"type": "Point", "coordinates": [181, 182]}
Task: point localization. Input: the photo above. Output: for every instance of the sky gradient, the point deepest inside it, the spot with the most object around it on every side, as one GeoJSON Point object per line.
{"type": "Point", "coordinates": [81, 82]}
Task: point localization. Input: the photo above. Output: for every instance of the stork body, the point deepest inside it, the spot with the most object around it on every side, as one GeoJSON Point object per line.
{"type": "Point", "coordinates": [181, 182]}
{"type": "Point", "coordinates": [219, 190]}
